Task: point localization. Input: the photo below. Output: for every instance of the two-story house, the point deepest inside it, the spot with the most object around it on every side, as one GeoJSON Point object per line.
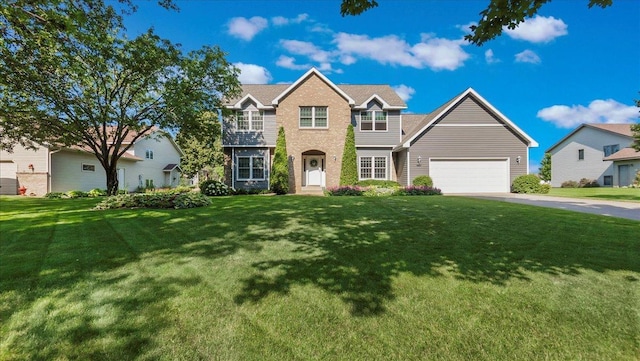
{"type": "Point", "coordinates": [600, 152]}
{"type": "Point", "coordinates": [465, 145]}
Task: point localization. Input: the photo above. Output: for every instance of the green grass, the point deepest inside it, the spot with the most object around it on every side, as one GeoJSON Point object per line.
{"type": "Point", "coordinates": [617, 194]}
{"type": "Point", "coordinates": [307, 278]}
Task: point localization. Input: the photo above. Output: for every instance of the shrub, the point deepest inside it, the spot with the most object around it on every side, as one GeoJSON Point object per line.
{"type": "Point", "coordinates": [529, 183]}
{"type": "Point", "coordinates": [97, 192]}
{"type": "Point", "coordinates": [569, 184]}
{"type": "Point", "coordinates": [418, 191]}
{"type": "Point", "coordinates": [378, 183]}
{"type": "Point", "coordinates": [77, 194]}
{"type": "Point", "coordinates": [345, 191]}
{"type": "Point", "coordinates": [55, 195]}
{"type": "Point", "coordinates": [349, 168]}
{"type": "Point", "coordinates": [379, 191]}
{"type": "Point", "coordinates": [423, 180]}
{"type": "Point", "coordinates": [279, 182]}
{"type": "Point", "coordinates": [155, 200]}
{"type": "Point", "coordinates": [214, 188]}
{"type": "Point", "coordinates": [249, 191]}
{"type": "Point", "coordinates": [588, 183]}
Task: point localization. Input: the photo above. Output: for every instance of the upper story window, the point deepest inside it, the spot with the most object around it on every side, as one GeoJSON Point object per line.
{"type": "Point", "coordinates": [148, 154]}
{"type": "Point", "coordinates": [373, 120]}
{"type": "Point", "coordinates": [580, 154]}
{"type": "Point", "coordinates": [250, 120]}
{"type": "Point", "coordinates": [610, 149]}
{"type": "Point", "coordinates": [314, 117]}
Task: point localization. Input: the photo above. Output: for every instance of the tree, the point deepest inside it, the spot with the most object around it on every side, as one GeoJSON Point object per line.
{"type": "Point", "coordinates": [280, 168]}
{"type": "Point", "coordinates": [349, 171]}
{"type": "Point", "coordinates": [202, 156]}
{"type": "Point", "coordinates": [636, 131]}
{"type": "Point", "coordinates": [545, 168]}
{"type": "Point", "coordinates": [498, 15]}
{"type": "Point", "coordinates": [70, 77]}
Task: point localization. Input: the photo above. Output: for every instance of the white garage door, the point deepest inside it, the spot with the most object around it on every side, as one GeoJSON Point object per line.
{"type": "Point", "coordinates": [470, 175]}
{"type": "Point", "coordinates": [8, 181]}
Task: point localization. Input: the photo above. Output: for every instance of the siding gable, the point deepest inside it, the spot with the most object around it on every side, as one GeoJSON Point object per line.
{"type": "Point", "coordinates": [469, 111]}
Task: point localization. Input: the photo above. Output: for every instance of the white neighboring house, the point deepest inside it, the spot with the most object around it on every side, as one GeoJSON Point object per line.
{"type": "Point", "coordinates": [595, 151]}
{"type": "Point", "coordinates": [154, 159]}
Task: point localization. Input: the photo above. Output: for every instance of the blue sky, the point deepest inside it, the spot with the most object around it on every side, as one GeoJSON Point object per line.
{"type": "Point", "coordinates": [568, 65]}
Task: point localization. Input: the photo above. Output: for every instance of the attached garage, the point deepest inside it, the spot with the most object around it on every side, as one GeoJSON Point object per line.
{"type": "Point", "coordinates": [8, 179]}
{"type": "Point", "coordinates": [470, 175]}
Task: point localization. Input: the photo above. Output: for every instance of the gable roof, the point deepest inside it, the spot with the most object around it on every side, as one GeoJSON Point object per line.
{"type": "Point", "coordinates": [358, 96]}
{"type": "Point", "coordinates": [623, 129]}
{"type": "Point", "coordinates": [440, 112]}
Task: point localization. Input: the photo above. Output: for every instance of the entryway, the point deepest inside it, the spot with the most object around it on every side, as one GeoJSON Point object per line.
{"type": "Point", "coordinates": [313, 169]}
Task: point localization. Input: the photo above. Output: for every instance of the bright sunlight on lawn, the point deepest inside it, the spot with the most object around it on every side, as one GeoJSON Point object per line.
{"type": "Point", "coordinates": [332, 278]}
{"type": "Point", "coordinates": [614, 194]}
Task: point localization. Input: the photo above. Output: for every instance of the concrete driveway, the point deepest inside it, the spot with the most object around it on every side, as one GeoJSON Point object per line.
{"type": "Point", "coordinates": [628, 210]}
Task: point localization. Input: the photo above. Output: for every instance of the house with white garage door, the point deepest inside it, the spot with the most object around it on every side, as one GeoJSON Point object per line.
{"type": "Point", "coordinates": [466, 145]}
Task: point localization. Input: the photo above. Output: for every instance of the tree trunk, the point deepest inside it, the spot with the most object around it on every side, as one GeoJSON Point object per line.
{"type": "Point", "coordinates": [112, 180]}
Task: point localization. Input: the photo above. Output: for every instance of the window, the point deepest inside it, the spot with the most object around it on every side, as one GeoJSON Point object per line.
{"type": "Point", "coordinates": [608, 180]}
{"type": "Point", "coordinates": [88, 167]}
{"type": "Point", "coordinates": [373, 167]}
{"type": "Point", "coordinates": [580, 154]}
{"type": "Point", "coordinates": [250, 120]}
{"type": "Point", "coordinates": [251, 168]}
{"type": "Point", "coordinates": [610, 149]}
{"type": "Point", "coordinates": [148, 154]}
{"type": "Point", "coordinates": [314, 117]}
{"type": "Point", "coordinates": [374, 120]}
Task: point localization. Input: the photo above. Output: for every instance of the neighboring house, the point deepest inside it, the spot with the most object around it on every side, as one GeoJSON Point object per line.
{"type": "Point", "coordinates": [600, 152]}
{"type": "Point", "coordinates": [466, 145]}
{"type": "Point", "coordinates": [153, 160]}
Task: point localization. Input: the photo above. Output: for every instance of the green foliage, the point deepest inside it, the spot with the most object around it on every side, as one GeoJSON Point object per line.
{"type": "Point", "coordinates": [201, 154]}
{"type": "Point", "coordinates": [345, 191]}
{"type": "Point", "coordinates": [635, 128]}
{"type": "Point", "coordinates": [250, 191]}
{"type": "Point", "coordinates": [588, 183]}
{"type": "Point", "coordinates": [423, 180]}
{"type": "Point", "coordinates": [418, 191]}
{"type": "Point", "coordinates": [155, 200]}
{"type": "Point", "coordinates": [55, 195]}
{"type": "Point", "coordinates": [279, 182]}
{"type": "Point", "coordinates": [86, 84]}
{"type": "Point", "coordinates": [529, 183]}
{"type": "Point", "coordinates": [77, 194]}
{"type": "Point", "coordinates": [378, 183]}
{"type": "Point", "coordinates": [570, 184]}
{"type": "Point", "coordinates": [349, 170]}
{"type": "Point", "coordinates": [97, 192]}
{"type": "Point", "coordinates": [214, 188]}
{"type": "Point", "coordinates": [545, 168]}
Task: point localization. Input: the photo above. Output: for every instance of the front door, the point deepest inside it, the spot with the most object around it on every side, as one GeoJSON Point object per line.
{"type": "Point", "coordinates": [314, 170]}
{"type": "Point", "coordinates": [624, 175]}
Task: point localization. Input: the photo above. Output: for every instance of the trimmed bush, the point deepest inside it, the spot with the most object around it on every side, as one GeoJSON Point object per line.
{"type": "Point", "coordinates": [214, 188]}
{"type": "Point", "coordinates": [378, 183]}
{"type": "Point", "coordinates": [529, 183]}
{"type": "Point", "coordinates": [155, 200]}
{"type": "Point", "coordinates": [423, 180]}
{"type": "Point", "coordinates": [345, 191]}
{"type": "Point", "coordinates": [349, 168]}
{"type": "Point", "coordinates": [588, 183]}
{"type": "Point", "coordinates": [279, 182]}
{"type": "Point", "coordinates": [569, 184]}
{"type": "Point", "coordinates": [418, 191]}
{"type": "Point", "coordinates": [250, 191]}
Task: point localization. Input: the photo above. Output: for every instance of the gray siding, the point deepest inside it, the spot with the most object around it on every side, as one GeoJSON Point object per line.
{"type": "Point", "coordinates": [390, 137]}
{"type": "Point", "coordinates": [400, 164]}
{"type": "Point", "coordinates": [246, 152]}
{"type": "Point", "coordinates": [468, 142]}
{"type": "Point", "coordinates": [378, 152]}
{"type": "Point", "coordinates": [469, 111]}
{"type": "Point", "coordinates": [266, 137]}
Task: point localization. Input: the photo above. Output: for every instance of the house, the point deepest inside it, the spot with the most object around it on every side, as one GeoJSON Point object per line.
{"type": "Point", "coordinates": [599, 152]}
{"type": "Point", "coordinates": [466, 145]}
{"type": "Point", "coordinates": [151, 160]}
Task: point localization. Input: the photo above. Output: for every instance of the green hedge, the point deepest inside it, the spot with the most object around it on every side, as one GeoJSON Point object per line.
{"type": "Point", "coordinates": [155, 200]}
{"type": "Point", "coordinates": [529, 183]}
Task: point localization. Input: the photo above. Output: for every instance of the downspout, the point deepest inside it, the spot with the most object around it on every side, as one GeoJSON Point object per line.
{"type": "Point", "coordinates": [233, 168]}
{"type": "Point", "coordinates": [408, 167]}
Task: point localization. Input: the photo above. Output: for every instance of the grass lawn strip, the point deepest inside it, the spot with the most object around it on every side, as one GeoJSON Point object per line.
{"type": "Point", "coordinates": [260, 278]}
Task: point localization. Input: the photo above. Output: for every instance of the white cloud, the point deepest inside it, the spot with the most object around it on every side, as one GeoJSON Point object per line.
{"type": "Point", "coordinates": [307, 49]}
{"type": "Point", "coordinates": [598, 111]}
{"type": "Point", "coordinates": [528, 56]}
{"type": "Point", "coordinates": [490, 58]}
{"type": "Point", "coordinates": [539, 29]}
{"type": "Point", "coordinates": [253, 74]}
{"type": "Point", "coordinates": [466, 28]}
{"type": "Point", "coordinates": [404, 92]}
{"type": "Point", "coordinates": [281, 20]}
{"type": "Point", "coordinates": [432, 52]}
{"type": "Point", "coordinates": [246, 29]}
{"type": "Point", "coordinates": [288, 62]}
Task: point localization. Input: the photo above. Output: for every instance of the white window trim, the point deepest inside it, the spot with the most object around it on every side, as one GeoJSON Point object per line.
{"type": "Point", "coordinates": [250, 120]}
{"type": "Point", "coordinates": [313, 116]}
{"type": "Point", "coordinates": [373, 120]}
{"type": "Point", "coordinates": [148, 154]}
{"type": "Point", "coordinates": [237, 170]}
{"type": "Point", "coordinates": [88, 170]}
{"type": "Point", "coordinates": [373, 167]}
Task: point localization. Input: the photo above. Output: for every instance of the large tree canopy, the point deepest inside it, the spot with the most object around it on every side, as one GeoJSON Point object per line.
{"type": "Point", "coordinates": [70, 77]}
{"type": "Point", "coordinates": [498, 15]}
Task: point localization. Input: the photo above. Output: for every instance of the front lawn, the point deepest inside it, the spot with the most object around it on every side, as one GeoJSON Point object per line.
{"type": "Point", "coordinates": [308, 278]}
{"type": "Point", "coordinates": [615, 194]}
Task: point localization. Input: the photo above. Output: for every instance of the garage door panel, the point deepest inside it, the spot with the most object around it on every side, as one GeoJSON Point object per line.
{"type": "Point", "coordinates": [470, 176]}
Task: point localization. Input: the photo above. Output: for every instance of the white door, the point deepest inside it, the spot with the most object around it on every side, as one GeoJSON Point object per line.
{"type": "Point", "coordinates": [314, 171]}
{"type": "Point", "coordinates": [8, 179]}
{"type": "Point", "coordinates": [470, 175]}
